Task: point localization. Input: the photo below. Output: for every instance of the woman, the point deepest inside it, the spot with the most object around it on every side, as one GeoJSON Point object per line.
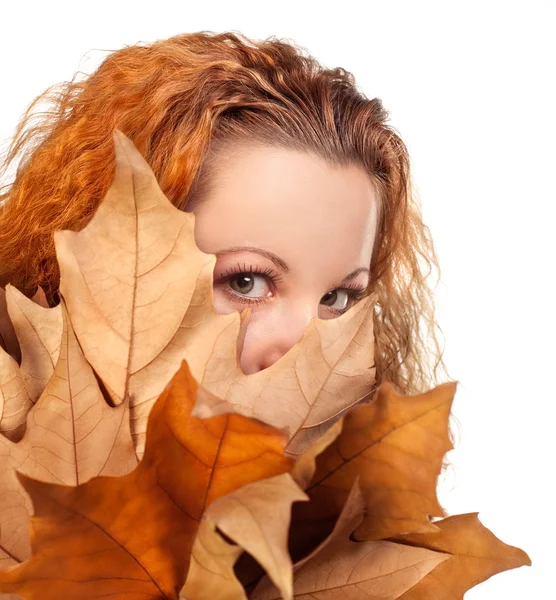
{"type": "Point", "coordinates": [298, 185]}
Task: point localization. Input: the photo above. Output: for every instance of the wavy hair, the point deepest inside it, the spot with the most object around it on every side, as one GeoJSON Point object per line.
{"type": "Point", "coordinates": [179, 100]}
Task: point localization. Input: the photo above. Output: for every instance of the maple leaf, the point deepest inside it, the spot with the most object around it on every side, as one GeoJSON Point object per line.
{"type": "Point", "coordinates": [72, 435]}
{"type": "Point", "coordinates": [131, 536]}
{"type": "Point", "coordinates": [355, 570]}
{"type": "Point", "coordinates": [211, 570]}
{"type": "Point", "coordinates": [139, 292]}
{"type": "Point", "coordinates": [33, 333]}
{"type": "Point", "coordinates": [395, 445]}
{"type": "Point", "coordinates": [477, 555]}
{"type": "Point", "coordinates": [327, 372]}
{"type": "Point", "coordinates": [8, 337]}
{"type": "Point", "coordinates": [243, 516]}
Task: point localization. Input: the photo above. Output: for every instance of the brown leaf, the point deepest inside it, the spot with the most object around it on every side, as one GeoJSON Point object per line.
{"type": "Point", "coordinates": [72, 435]}
{"type": "Point", "coordinates": [243, 516]}
{"type": "Point", "coordinates": [131, 536]}
{"type": "Point", "coordinates": [139, 293]}
{"type": "Point", "coordinates": [327, 372]}
{"type": "Point", "coordinates": [138, 289]}
{"type": "Point", "coordinates": [477, 555]}
{"type": "Point", "coordinates": [342, 568]}
{"type": "Point", "coordinates": [39, 298]}
{"type": "Point", "coordinates": [38, 332]}
{"type": "Point", "coordinates": [8, 338]}
{"type": "Point", "coordinates": [305, 466]}
{"type": "Point", "coordinates": [211, 570]}
{"type": "Point", "coordinates": [395, 445]}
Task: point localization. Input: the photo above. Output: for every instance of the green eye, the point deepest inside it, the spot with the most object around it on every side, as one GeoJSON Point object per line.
{"type": "Point", "coordinates": [332, 297]}
{"type": "Point", "coordinates": [244, 284]}
{"type": "Point", "coordinates": [329, 296]}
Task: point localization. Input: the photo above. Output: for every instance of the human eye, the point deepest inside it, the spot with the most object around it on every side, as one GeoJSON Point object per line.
{"type": "Point", "coordinates": [239, 281]}
{"type": "Point", "coordinates": [345, 297]}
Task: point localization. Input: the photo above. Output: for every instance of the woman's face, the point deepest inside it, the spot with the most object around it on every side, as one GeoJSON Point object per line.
{"type": "Point", "coordinates": [291, 235]}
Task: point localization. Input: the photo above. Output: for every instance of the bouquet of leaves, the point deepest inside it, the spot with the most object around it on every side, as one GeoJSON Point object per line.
{"type": "Point", "coordinates": [138, 461]}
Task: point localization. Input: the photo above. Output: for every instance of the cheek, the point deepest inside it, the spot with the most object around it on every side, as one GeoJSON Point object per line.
{"type": "Point", "coordinates": [222, 303]}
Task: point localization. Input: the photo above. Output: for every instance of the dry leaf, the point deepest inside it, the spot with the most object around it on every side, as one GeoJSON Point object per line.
{"type": "Point", "coordinates": [327, 372]}
{"type": "Point", "coordinates": [72, 435]}
{"type": "Point", "coordinates": [131, 536]}
{"type": "Point", "coordinates": [356, 570]}
{"type": "Point", "coordinates": [477, 555]}
{"type": "Point", "coordinates": [257, 518]}
{"type": "Point", "coordinates": [305, 465]}
{"type": "Point", "coordinates": [138, 289]}
{"type": "Point", "coordinates": [139, 293]}
{"type": "Point", "coordinates": [8, 338]}
{"type": "Point", "coordinates": [39, 298]}
{"type": "Point", "coordinates": [396, 446]}
{"type": "Point", "coordinates": [38, 331]}
{"type": "Point", "coordinates": [211, 570]}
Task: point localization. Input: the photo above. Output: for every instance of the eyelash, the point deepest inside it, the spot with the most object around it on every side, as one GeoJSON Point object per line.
{"type": "Point", "coordinates": [355, 292]}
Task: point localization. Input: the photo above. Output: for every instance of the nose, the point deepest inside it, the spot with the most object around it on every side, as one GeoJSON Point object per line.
{"type": "Point", "coordinates": [271, 333]}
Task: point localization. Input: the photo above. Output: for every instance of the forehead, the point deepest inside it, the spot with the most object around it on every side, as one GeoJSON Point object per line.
{"type": "Point", "coordinates": [273, 197]}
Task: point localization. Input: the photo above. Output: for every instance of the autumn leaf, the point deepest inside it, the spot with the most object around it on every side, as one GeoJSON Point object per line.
{"type": "Point", "coordinates": [395, 445]}
{"type": "Point", "coordinates": [139, 292]}
{"type": "Point", "coordinates": [477, 555]}
{"type": "Point", "coordinates": [256, 517]}
{"type": "Point", "coordinates": [306, 464]}
{"type": "Point", "coordinates": [327, 372]}
{"type": "Point", "coordinates": [38, 330]}
{"type": "Point", "coordinates": [137, 288]}
{"type": "Point", "coordinates": [211, 570]}
{"type": "Point", "coordinates": [8, 338]}
{"type": "Point", "coordinates": [72, 435]}
{"type": "Point", "coordinates": [131, 536]}
{"type": "Point", "coordinates": [340, 567]}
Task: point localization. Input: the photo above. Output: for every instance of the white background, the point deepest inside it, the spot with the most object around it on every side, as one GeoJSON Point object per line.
{"type": "Point", "coordinates": [470, 86]}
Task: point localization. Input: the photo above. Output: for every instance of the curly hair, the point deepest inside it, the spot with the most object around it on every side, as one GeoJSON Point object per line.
{"type": "Point", "coordinates": [179, 100]}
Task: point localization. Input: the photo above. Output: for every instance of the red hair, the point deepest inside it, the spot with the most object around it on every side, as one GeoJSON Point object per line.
{"type": "Point", "coordinates": [181, 99]}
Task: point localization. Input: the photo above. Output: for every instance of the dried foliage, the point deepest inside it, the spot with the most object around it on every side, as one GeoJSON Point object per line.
{"type": "Point", "coordinates": [138, 461]}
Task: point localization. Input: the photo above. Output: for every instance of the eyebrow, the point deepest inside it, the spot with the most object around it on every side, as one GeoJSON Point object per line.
{"type": "Point", "coordinates": [278, 261]}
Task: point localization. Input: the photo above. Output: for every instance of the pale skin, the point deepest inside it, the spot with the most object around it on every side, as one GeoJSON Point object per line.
{"type": "Point", "coordinates": [318, 222]}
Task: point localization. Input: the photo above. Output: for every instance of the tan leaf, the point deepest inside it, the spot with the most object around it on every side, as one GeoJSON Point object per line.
{"type": "Point", "coordinates": [72, 435]}
{"type": "Point", "coordinates": [8, 338]}
{"type": "Point", "coordinates": [131, 536]}
{"type": "Point", "coordinates": [211, 570]}
{"type": "Point", "coordinates": [39, 298]}
{"type": "Point", "coordinates": [327, 372]}
{"type": "Point", "coordinates": [305, 465]}
{"type": "Point", "coordinates": [395, 445]}
{"type": "Point", "coordinates": [244, 515]}
{"type": "Point", "coordinates": [477, 555]}
{"type": "Point", "coordinates": [342, 568]}
{"type": "Point", "coordinates": [138, 289]}
{"type": "Point", "coordinates": [38, 332]}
